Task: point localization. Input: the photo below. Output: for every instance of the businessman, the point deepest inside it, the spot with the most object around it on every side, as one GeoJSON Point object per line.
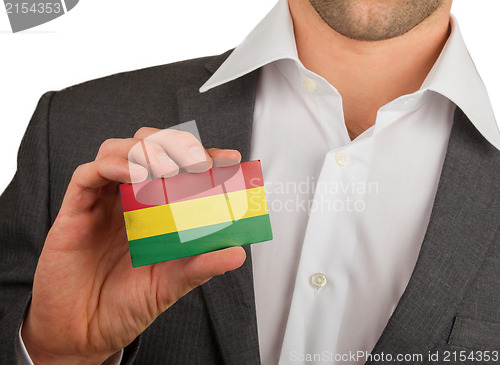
{"type": "Point", "coordinates": [400, 255]}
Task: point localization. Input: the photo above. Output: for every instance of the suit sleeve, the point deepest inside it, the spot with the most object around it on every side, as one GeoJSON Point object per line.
{"type": "Point", "coordinates": [24, 223]}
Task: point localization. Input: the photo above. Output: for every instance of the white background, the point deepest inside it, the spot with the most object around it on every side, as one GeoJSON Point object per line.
{"type": "Point", "coordinates": [98, 38]}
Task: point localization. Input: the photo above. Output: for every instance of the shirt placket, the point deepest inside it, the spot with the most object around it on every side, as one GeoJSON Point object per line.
{"type": "Point", "coordinates": [321, 281]}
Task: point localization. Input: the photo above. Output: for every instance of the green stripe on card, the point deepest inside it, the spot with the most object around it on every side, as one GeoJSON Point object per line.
{"type": "Point", "coordinates": [175, 245]}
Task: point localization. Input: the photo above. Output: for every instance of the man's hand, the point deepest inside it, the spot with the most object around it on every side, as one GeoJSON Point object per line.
{"type": "Point", "coordinates": [88, 302]}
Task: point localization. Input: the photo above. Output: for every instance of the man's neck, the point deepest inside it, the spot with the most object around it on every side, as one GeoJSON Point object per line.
{"type": "Point", "coordinates": [368, 75]}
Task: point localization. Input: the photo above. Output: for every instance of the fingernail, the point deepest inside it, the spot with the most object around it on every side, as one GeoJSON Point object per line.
{"type": "Point", "coordinates": [197, 154]}
{"type": "Point", "coordinates": [137, 173]}
{"type": "Point", "coordinates": [224, 162]}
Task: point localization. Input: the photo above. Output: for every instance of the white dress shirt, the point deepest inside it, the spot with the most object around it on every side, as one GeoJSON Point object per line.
{"type": "Point", "coordinates": [348, 217]}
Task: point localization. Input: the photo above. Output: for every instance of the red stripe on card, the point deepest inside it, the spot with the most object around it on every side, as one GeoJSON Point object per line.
{"type": "Point", "coordinates": [182, 187]}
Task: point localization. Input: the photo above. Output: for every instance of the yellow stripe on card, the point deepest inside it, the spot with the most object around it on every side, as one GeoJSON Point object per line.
{"type": "Point", "coordinates": [195, 213]}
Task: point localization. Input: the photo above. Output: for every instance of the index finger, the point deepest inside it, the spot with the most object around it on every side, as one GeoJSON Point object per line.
{"type": "Point", "coordinates": [182, 147]}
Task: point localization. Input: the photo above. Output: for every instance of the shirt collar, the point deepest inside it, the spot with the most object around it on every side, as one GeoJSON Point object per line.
{"type": "Point", "coordinates": [453, 75]}
{"type": "Point", "coordinates": [271, 40]}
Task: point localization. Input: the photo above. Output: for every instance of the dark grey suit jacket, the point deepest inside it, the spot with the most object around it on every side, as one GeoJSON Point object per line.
{"type": "Point", "coordinates": [451, 303]}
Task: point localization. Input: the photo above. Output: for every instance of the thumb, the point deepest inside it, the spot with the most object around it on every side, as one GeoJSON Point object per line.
{"type": "Point", "coordinates": [191, 272]}
{"type": "Point", "coordinates": [203, 267]}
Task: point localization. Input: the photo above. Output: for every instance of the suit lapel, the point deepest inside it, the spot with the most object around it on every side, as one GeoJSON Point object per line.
{"type": "Point", "coordinates": [224, 117]}
{"type": "Point", "coordinates": [464, 219]}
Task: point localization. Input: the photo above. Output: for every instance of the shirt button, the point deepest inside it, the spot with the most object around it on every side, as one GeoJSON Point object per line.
{"type": "Point", "coordinates": [310, 85]}
{"type": "Point", "coordinates": [318, 280]}
{"type": "Point", "coordinates": [342, 158]}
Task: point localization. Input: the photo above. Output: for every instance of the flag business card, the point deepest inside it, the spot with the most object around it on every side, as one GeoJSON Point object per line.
{"type": "Point", "coordinates": [190, 214]}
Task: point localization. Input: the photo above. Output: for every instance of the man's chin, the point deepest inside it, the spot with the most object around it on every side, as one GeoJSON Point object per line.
{"type": "Point", "coordinates": [371, 21]}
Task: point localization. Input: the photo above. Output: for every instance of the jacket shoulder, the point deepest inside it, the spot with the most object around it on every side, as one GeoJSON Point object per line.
{"type": "Point", "coordinates": [119, 104]}
{"type": "Point", "coordinates": [146, 82]}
